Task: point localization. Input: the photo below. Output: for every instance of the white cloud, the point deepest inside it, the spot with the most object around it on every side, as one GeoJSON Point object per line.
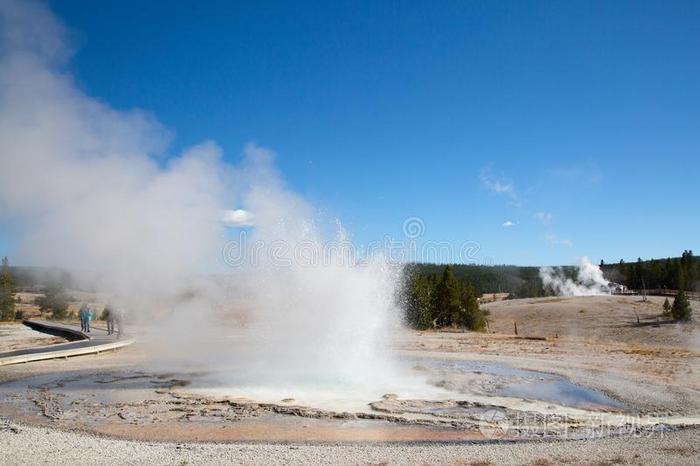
{"type": "Point", "coordinates": [508, 224]}
{"type": "Point", "coordinates": [552, 239]}
{"type": "Point", "coordinates": [544, 217]}
{"type": "Point", "coordinates": [238, 218]}
{"type": "Point", "coordinates": [499, 185]}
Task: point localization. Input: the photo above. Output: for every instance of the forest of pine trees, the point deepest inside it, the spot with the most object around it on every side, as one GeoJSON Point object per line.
{"type": "Point", "coordinates": [524, 282]}
{"type": "Point", "coordinates": [438, 301]}
{"type": "Point", "coordinates": [443, 296]}
{"type": "Point", "coordinates": [678, 273]}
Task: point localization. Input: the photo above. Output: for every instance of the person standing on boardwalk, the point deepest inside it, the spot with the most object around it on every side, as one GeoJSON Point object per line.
{"type": "Point", "coordinates": [89, 315]}
{"type": "Point", "coordinates": [110, 316]}
{"type": "Point", "coordinates": [83, 317]}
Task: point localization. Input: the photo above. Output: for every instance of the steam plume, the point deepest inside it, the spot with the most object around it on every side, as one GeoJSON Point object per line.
{"type": "Point", "coordinates": [589, 280]}
{"type": "Point", "coordinates": [89, 187]}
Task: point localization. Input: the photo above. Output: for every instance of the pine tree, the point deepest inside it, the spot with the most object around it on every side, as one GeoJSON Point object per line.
{"type": "Point", "coordinates": [681, 307]}
{"type": "Point", "coordinates": [687, 267]}
{"type": "Point", "coordinates": [471, 316]}
{"type": "Point", "coordinates": [54, 300]}
{"type": "Point", "coordinates": [446, 299]}
{"type": "Point", "coordinates": [419, 311]}
{"type": "Point", "coordinates": [7, 290]}
{"type": "Point", "coordinates": [667, 307]}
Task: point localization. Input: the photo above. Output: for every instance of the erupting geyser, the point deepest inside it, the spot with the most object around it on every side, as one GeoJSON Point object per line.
{"type": "Point", "coordinates": [319, 314]}
{"type": "Point", "coordinates": [94, 189]}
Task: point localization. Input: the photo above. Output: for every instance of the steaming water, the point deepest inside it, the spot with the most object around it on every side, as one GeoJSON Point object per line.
{"type": "Point", "coordinates": [322, 391]}
{"type": "Point", "coordinates": [414, 378]}
{"type": "Point", "coordinates": [329, 322]}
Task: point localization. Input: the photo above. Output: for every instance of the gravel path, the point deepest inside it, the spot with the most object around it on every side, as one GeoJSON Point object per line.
{"type": "Point", "coordinates": [20, 445]}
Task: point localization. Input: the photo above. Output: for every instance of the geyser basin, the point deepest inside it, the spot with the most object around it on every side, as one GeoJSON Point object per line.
{"type": "Point", "coordinates": [430, 379]}
{"type": "Point", "coordinates": [437, 399]}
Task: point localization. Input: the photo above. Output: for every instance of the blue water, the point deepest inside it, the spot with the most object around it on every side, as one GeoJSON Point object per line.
{"type": "Point", "coordinates": [564, 392]}
{"type": "Point", "coordinates": [533, 385]}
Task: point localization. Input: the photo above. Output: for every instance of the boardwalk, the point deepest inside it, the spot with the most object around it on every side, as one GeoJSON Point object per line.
{"type": "Point", "coordinates": [95, 342]}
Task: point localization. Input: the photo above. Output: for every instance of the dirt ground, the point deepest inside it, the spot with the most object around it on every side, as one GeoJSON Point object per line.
{"type": "Point", "coordinates": [594, 341]}
{"type": "Point", "coordinates": [15, 336]}
{"type": "Point", "coordinates": [595, 318]}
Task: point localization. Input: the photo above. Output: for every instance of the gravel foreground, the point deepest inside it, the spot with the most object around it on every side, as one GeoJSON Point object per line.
{"type": "Point", "coordinates": [21, 444]}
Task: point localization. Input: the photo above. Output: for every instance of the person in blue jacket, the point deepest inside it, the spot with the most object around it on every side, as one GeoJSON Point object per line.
{"type": "Point", "coordinates": [89, 315]}
{"type": "Point", "coordinates": [83, 317]}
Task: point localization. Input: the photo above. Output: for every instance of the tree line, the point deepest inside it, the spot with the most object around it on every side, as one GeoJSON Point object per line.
{"type": "Point", "coordinates": [439, 301]}
{"type": "Point", "coordinates": [673, 273]}
{"type": "Point", "coordinates": [436, 295]}
{"type": "Point", "coordinates": [518, 281]}
{"type": "Point", "coordinates": [677, 273]}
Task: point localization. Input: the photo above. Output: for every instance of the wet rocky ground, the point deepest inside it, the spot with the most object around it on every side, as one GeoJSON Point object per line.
{"type": "Point", "coordinates": [487, 402]}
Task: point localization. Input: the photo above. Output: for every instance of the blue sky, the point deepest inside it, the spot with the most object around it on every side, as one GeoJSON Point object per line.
{"type": "Point", "coordinates": [578, 122]}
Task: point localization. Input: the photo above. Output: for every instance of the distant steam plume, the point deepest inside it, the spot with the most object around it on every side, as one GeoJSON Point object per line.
{"type": "Point", "coordinates": [589, 280]}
